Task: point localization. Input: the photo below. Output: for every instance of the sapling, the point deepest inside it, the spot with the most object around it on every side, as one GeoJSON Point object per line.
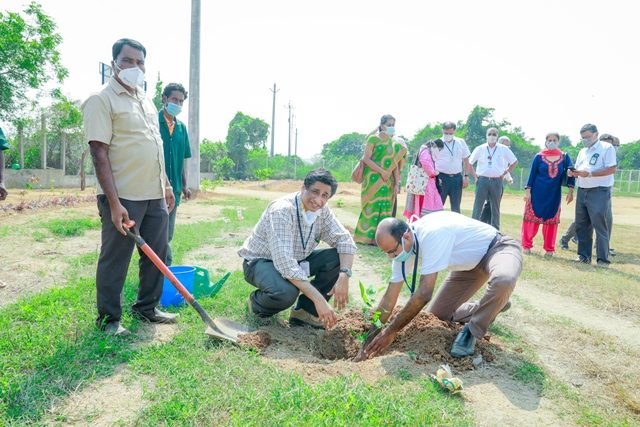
{"type": "Point", "coordinates": [369, 303]}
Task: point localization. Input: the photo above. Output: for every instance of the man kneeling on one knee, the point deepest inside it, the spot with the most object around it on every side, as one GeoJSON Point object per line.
{"type": "Point", "coordinates": [280, 256]}
{"type": "Point", "coordinates": [473, 252]}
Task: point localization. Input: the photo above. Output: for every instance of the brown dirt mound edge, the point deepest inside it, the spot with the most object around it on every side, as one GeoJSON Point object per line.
{"type": "Point", "coordinates": [427, 339]}
{"type": "Point", "coordinates": [255, 340]}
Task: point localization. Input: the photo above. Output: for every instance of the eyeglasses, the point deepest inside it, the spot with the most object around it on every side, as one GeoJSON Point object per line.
{"type": "Point", "coordinates": [492, 134]}
{"type": "Point", "coordinates": [392, 252]}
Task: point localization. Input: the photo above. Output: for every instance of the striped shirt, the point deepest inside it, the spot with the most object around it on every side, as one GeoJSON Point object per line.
{"type": "Point", "coordinates": [278, 236]}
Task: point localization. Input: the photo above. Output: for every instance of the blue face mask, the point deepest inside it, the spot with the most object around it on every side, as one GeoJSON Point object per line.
{"type": "Point", "coordinates": [404, 255]}
{"type": "Point", "coordinates": [173, 109]}
{"type": "Point", "coordinates": [390, 130]}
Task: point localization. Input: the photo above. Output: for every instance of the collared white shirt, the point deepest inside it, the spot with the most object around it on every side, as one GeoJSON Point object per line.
{"type": "Point", "coordinates": [492, 162]}
{"type": "Point", "coordinates": [448, 240]}
{"type": "Point", "coordinates": [600, 155]}
{"type": "Point", "coordinates": [449, 159]}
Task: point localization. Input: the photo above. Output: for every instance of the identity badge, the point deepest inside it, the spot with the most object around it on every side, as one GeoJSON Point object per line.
{"type": "Point", "coordinates": [304, 265]}
{"type": "Point", "coordinates": [594, 159]}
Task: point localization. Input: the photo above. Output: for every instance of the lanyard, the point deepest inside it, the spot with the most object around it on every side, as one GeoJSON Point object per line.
{"type": "Point", "coordinates": [489, 152]}
{"type": "Point", "coordinates": [453, 147]}
{"type": "Point", "coordinates": [412, 288]}
{"type": "Point", "coordinates": [304, 244]}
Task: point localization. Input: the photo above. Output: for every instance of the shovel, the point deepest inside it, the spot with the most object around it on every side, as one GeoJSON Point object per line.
{"type": "Point", "coordinates": [217, 328]}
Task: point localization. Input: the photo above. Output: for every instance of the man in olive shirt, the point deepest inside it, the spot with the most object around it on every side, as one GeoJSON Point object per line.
{"type": "Point", "coordinates": [176, 149]}
{"type": "Point", "coordinates": [121, 127]}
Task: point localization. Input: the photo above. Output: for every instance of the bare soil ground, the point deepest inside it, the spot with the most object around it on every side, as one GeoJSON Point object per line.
{"type": "Point", "coordinates": [593, 350]}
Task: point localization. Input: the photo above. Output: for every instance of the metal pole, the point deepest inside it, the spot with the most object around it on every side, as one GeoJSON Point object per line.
{"type": "Point", "coordinates": [273, 119]}
{"type": "Point", "coordinates": [43, 148]}
{"type": "Point", "coordinates": [289, 150]}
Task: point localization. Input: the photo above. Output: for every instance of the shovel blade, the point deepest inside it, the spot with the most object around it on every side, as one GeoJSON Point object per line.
{"type": "Point", "coordinates": [231, 328]}
{"type": "Point", "coordinates": [213, 333]}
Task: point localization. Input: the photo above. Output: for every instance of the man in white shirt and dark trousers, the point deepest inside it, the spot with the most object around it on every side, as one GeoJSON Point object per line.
{"type": "Point", "coordinates": [475, 253]}
{"type": "Point", "coordinates": [451, 163]}
{"type": "Point", "coordinates": [494, 162]}
{"type": "Point", "coordinates": [595, 166]}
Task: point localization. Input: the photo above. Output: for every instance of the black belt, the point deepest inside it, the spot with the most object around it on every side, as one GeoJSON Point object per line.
{"type": "Point", "coordinates": [450, 174]}
{"type": "Point", "coordinates": [490, 177]}
{"type": "Point", "coordinates": [494, 241]}
{"type": "Point", "coordinates": [592, 188]}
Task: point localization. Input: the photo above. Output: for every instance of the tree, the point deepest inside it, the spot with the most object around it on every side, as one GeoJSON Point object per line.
{"type": "Point", "coordinates": [245, 133]}
{"type": "Point", "coordinates": [65, 123]}
{"type": "Point", "coordinates": [347, 146]}
{"type": "Point", "coordinates": [629, 156]}
{"type": "Point", "coordinates": [29, 57]}
{"type": "Point", "coordinates": [157, 97]}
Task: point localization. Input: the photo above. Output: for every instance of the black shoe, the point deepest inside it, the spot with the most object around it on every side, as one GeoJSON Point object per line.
{"type": "Point", "coordinates": [612, 252]}
{"type": "Point", "coordinates": [114, 328]}
{"type": "Point", "coordinates": [155, 316]}
{"type": "Point", "coordinates": [506, 307]}
{"type": "Point", "coordinates": [564, 245]}
{"type": "Point", "coordinates": [582, 260]}
{"type": "Point", "coordinates": [464, 344]}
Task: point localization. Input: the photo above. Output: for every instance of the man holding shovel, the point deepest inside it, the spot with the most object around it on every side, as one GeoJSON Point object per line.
{"type": "Point", "coordinates": [121, 127]}
{"type": "Point", "coordinates": [475, 253]}
{"type": "Point", "coordinates": [280, 256]}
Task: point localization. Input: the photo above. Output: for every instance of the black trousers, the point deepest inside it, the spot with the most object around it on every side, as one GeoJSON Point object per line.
{"type": "Point", "coordinates": [593, 210]}
{"type": "Point", "coordinates": [275, 293]}
{"type": "Point", "coordinates": [450, 186]}
{"type": "Point", "coordinates": [151, 219]}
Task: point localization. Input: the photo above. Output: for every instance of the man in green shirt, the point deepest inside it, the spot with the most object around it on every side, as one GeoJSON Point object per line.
{"type": "Point", "coordinates": [4, 145]}
{"type": "Point", "coordinates": [176, 149]}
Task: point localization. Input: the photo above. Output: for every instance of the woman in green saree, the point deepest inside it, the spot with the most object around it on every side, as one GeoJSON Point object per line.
{"type": "Point", "coordinates": [381, 179]}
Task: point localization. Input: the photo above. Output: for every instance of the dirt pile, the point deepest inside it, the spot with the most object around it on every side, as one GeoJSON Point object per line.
{"type": "Point", "coordinates": [341, 341]}
{"type": "Point", "coordinates": [426, 339]}
{"type": "Point", "coordinates": [256, 340]}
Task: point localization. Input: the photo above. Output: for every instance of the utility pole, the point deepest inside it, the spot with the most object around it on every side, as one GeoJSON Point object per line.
{"type": "Point", "coordinates": [289, 150]}
{"type": "Point", "coordinates": [193, 169]}
{"type": "Point", "coordinates": [43, 147]}
{"type": "Point", "coordinates": [273, 118]}
{"type": "Point", "coordinates": [295, 158]}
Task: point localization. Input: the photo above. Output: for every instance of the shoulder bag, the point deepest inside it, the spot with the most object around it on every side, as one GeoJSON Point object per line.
{"type": "Point", "coordinates": [417, 179]}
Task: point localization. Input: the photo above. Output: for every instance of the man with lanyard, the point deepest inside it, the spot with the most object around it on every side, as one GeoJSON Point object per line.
{"type": "Point", "coordinates": [495, 161]}
{"type": "Point", "coordinates": [473, 252]}
{"type": "Point", "coordinates": [176, 150]}
{"type": "Point", "coordinates": [449, 164]}
{"type": "Point", "coordinates": [595, 166]}
{"type": "Point", "coordinates": [280, 256]}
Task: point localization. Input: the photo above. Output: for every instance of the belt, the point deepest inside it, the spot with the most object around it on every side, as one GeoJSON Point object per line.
{"type": "Point", "coordinates": [495, 240]}
{"type": "Point", "coordinates": [450, 174]}
{"type": "Point", "coordinates": [592, 188]}
{"type": "Point", "coordinates": [489, 177]}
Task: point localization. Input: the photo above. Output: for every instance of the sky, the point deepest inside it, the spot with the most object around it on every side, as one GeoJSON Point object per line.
{"type": "Point", "coordinates": [543, 65]}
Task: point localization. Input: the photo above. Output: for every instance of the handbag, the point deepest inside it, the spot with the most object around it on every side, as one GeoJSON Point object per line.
{"type": "Point", "coordinates": [357, 172]}
{"type": "Point", "coordinates": [417, 179]}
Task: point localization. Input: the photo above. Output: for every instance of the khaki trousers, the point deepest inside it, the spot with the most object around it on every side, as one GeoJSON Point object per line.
{"type": "Point", "coordinates": [499, 268]}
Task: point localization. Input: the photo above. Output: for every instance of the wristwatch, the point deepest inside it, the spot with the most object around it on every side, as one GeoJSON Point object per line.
{"type": "Point", "coordinates": [346, 271]}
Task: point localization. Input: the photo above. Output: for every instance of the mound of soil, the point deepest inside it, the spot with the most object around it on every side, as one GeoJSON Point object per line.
{"type": "Point", "coordinates": [427, 338]}
{"type": "Point", "coordinates": [256, 340]}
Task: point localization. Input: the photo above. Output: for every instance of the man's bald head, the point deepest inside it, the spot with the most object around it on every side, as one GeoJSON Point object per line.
{"type": "Point", "coordinates": [389, 233]}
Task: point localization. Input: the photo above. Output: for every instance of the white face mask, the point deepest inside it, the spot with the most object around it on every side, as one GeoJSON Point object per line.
{"type": "Point", "coordinates": [492, 139]}
{"type": "Point", "coordinates": [132, 77]}
{"type": "Point", "coordinates": [552, 145]}
{"type": "Point", "coordinates": [310, 217]}
{"type": "Point", "coordinates": [447, 137]}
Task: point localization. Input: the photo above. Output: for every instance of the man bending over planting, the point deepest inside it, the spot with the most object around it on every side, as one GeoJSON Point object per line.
{"type": "Point", "coordinates": [280, 256]}
{"type": "Point", "coordinates": [475, 253]}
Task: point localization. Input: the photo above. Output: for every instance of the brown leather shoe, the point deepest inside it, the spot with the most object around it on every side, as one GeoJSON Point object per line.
{"type": "Point", "coordinates": [301, 317]}
{"type": "Point", "coordinates": [156, 316]}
